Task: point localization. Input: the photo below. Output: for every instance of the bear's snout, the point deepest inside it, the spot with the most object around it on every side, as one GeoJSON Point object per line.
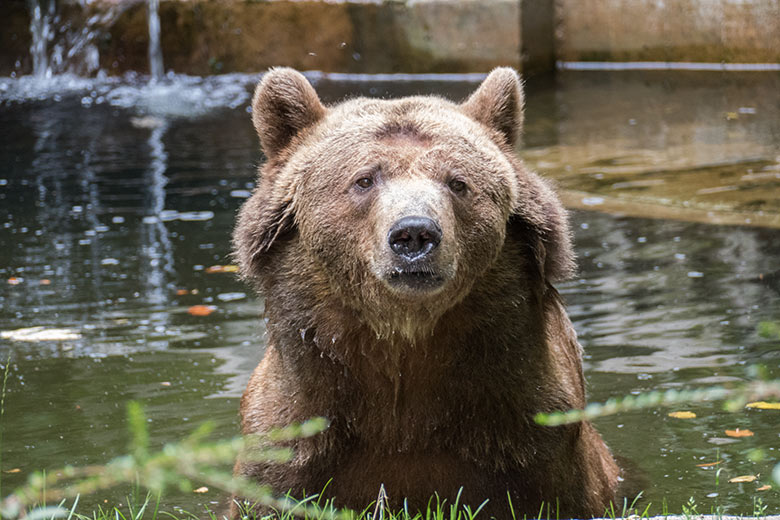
{"type": "Point", "coordinates": [413, 266]}
{"type": "Point", "coordinates": [412, 238]}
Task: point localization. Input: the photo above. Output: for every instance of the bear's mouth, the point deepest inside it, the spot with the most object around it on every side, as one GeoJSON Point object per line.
{"type": "Point", "coordinates": [415, 280]}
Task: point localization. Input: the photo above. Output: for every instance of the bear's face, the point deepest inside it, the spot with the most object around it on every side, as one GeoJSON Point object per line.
{"type": "Point", "coordinates": [397, 202]}
{"type": "Point", "coordinates": [400, 205]}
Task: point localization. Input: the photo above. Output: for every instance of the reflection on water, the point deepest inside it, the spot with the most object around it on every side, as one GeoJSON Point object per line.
{"type": "Point", "coordinates": [696, 145]}
{"type": "Point", "coordinates": [157, 248]}
{"type": "Point", "coordinates": [116, 199]}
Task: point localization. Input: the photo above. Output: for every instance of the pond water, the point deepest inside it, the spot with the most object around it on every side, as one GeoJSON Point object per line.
{"type": "Point", "coordinates": [117, 198]}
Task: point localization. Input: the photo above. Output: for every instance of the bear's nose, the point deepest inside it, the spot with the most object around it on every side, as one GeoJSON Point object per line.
{"type": "Point", "coordinates": [414, 237]}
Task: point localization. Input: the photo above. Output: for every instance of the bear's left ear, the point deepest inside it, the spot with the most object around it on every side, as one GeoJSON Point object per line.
{"type": "Point", "coordinates": [498, 104]}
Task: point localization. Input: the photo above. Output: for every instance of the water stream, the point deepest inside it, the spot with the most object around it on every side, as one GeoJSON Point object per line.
{"type": "Point", "coordinates": [156, 69]}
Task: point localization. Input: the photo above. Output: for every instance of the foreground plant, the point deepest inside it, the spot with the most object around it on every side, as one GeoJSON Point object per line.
{"type": "Point", "coordinates": [734, 399]}
{"type": "Point", "coordinates": [176, 465]}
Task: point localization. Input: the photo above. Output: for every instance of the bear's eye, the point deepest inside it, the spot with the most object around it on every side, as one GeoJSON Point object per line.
{"type": "Point", "coordinates": [364, 182]}
{"type": "Point", "coordinates": [457, 186]}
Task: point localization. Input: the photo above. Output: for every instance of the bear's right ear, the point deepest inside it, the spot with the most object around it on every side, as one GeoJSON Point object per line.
{"type": "Point", "coordinates": [284, 104]}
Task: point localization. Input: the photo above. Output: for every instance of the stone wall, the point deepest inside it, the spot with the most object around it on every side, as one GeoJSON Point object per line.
{"type": "Point", "coordinates": [218, 36]}
{"type": "Point", "coordinates": [213, 36]}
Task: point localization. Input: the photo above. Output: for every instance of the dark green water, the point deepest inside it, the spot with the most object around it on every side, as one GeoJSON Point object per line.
{"type": "Point", "coordinates": [123, 200]}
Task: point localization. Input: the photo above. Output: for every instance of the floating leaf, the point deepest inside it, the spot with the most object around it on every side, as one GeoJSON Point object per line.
{"type": "Point", "coordinates": [15, 281]}
{"type": "Point", "coordinates": [222, 269]}
{"type": "Point", "coordinates": [44, 281]}
{"type": "Point", "coordinates": [708, 464]}
{"type": "Point", "coordinates": [739, 433]}
{"type": "Point", "coordinates": [682, 415]}
{"type": "Point", "coordinates": [202, 489]}
{"type": "Point", "coordinates": [36, 334]}
{"type": "Point", "coordinates": [165, 383]}
{"type": "Point", "coordinates": [201, 310]}
{"type": "Point", "coordinates": [764, 488]}
{"type": "Point", "coordinates": [182, 292]}
{"type": "Point", "coordinates": [763, 405]}
{"type": "Point", "coordinates": [743, 478]}
{"type": "Point", "coordinates": [14, 470]}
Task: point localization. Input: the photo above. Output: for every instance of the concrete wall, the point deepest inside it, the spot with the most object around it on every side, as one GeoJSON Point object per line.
{"type": "Point", "coordinates": [669, 30]}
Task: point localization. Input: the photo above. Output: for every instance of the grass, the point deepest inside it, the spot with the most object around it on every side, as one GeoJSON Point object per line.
{"type": "Point", "coordinates": [313, 509]}
{"type": "Point", "coordinates": [2, 413]}
{"type": "Point", "coordinates": [308, 509]}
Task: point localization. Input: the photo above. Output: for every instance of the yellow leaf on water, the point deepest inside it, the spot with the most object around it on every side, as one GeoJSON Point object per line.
{"type": "Point", "coordinates": [763, 405]}
{"type": "Point", "coordinates": [743, 478]}
{"type": "Point", "coordinates": [709, 464]}
{"type": "Point", "coordinates": [202, 489]}
{"type": "Point", "coordinates": [739, 433]}
{"type": "Point", "coordinates": [14, 470]}
{"type": "Point", "coordinates": [222, 269]}
{"type": "Point", "coordinates": [764, 488]}
{"type": "Point", "coordinates": [682, 415]}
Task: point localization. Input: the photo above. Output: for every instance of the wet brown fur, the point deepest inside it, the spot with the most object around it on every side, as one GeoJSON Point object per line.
{"type": "Point", "coordinates": [424, 394]}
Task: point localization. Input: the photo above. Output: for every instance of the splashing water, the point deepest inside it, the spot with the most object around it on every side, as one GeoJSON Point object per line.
{"type": "Point", "coordinates": [42, 14]}
{"type": "Point", "coordinates": [65, 42]}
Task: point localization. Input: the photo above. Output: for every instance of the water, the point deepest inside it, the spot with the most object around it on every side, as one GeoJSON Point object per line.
{"type": "Point", "coordinates": [117, 196]}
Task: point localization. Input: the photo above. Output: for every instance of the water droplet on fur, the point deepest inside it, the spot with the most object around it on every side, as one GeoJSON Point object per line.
{"type": "Point", "coordinates": [303, 334]}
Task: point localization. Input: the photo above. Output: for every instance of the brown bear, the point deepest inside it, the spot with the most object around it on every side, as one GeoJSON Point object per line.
{"type": "Point", "coordinates": [406, 257]}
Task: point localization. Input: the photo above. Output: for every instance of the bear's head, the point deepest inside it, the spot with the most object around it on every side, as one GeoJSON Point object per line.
{"type": "Point", "coordinates": [400, 205]}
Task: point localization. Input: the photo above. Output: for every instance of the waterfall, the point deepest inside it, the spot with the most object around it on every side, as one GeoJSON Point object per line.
{"type": "Point", "coordinates": [156, 69]}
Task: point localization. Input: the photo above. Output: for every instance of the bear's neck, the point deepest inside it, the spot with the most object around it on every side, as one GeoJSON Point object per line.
{"type": "Point", "coordinates": [500, 325]}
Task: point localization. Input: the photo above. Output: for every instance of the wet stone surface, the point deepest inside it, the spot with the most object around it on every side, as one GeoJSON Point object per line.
{"type": "Point", "coordinates": [117, 201]}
